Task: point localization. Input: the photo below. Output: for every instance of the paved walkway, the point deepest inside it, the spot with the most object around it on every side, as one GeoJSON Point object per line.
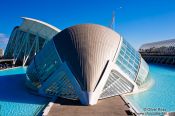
{"type": "Point", "coordinates": [113, 106]}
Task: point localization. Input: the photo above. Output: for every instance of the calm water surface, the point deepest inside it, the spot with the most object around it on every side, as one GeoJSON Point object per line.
{"type": "Point", "coordinates": [15, 100]}
{"type": "Point", "coordinates": [161, 96]}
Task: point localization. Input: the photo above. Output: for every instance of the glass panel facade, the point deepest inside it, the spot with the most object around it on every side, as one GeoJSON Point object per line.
{"type": "Point", "coordinates": [128, 60]}
{"type": "Point", "coordinates": [115, 85]}
{"type": "Point", "coordinates": [60, 86]}
{"type": "Point", "coordinates": [23, 44]}
{"type": "Point", "coordinates": [47, 61]}
{"type": "Point", "coordinates": [43, 74]}
{"type": "Point", "coordinates": [143, 72]}
{"type": "Point", "coordinates": [44, 64]}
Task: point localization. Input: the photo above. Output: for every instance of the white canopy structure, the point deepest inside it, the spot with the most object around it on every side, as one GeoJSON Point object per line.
{"type": "Point", "coordinates": [26, 40]}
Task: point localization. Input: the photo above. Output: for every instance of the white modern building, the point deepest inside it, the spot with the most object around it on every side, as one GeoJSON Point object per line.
{"type": "Point", "coordinates": [27, 39]}
{"type": "Point", "coordinates": [161, 52]}
{"type": "Point", "coordinates": [86, 62]}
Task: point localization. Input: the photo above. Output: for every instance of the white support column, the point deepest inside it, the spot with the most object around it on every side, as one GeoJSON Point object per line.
{"type": "Point", "coordinates": [45, 41]}
{"type": "Point", "coordinates": [95, 95]}
{"type": "Point", "coordinates": [21, 47]}
{"type": "Point", "coordinates": [34, 43]}
{"type": "Point", "coordinates": [88, 98]}
{"type": "Point", "coordinates": [26, 48]}
{"type": "Point", "coordinates": [118, 49]}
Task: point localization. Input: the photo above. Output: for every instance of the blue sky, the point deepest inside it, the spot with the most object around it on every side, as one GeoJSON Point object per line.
{"type": "Point", "coordinates": [138, 21]}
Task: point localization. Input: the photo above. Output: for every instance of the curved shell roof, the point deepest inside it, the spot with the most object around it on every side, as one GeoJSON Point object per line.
{"type": "Point", "coordinates": [86, 49]}
{"type": "Point", "coordinates": [164, 43]}
{"type": "Point", "coordinates": [41, 28]}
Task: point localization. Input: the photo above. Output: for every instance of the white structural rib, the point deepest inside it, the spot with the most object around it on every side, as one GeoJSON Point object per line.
{"type": "Point", "coordinates": [43, 29]}
{"type": "Point", "coordinates": [28, 38]}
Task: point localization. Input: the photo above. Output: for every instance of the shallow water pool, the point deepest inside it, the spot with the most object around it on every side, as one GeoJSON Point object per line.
{"type": "Point", "coordinates": [15, 99]}
{"type": "Point", "coordinates": [161, 96]}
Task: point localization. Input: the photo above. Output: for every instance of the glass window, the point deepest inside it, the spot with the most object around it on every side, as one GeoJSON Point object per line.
{"type": "Point", "coordinates": [136, 65]}
{"type": "Point", "coordinates": [123, 49]}
{"type": "Point", "coordinates": [130, 67]}
{"type": "Point", "coordinates": [122, 53]}
{"type": "Point", "coordinates": [120, 58]}
{"type": "Point", "coordinates": [119, 64]}
{"type": "Point", "coordinates": [128, 60]}
{"type": "Point", "coordinates": [131, 61]}
{"type": "Point", "coordinates": [132, 57]}
{"type": "Point", "coordinates": [125, 62]}
{"type": "Point", "coordinates": [126, 57]}
{"type": "Point", "coordinates": [128, 53]}
{"type": "Point", "coordinates": [137, 61]}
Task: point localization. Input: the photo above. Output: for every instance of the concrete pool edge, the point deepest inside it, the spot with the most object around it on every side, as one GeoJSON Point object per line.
{"type": "Point", "coordinates": [132, 108]}
{"type": "Point", "coordinates": [138, 111]}
{"type": "Point", "coordinates": [136, 100]}
{"type": "Point", "coordinates": [48, 107]}
{"type": "Point", "coordinates": [13, 68]}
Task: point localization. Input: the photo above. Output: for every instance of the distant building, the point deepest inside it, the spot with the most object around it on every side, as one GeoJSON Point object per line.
{"type": "Point", "coordinates": [1, 52]}
{"type": "Point", "coordinates": [162, 52]}
{"type": "Point", "coordinates": [86, 62]}
{"type": "Point", "coordinates": [26, 40]}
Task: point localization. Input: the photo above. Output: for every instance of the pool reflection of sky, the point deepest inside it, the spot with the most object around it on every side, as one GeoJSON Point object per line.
{"type": "Point", "coordinates": [161, 94]}
{"type": "Point", "coordinates": [15, 99]}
